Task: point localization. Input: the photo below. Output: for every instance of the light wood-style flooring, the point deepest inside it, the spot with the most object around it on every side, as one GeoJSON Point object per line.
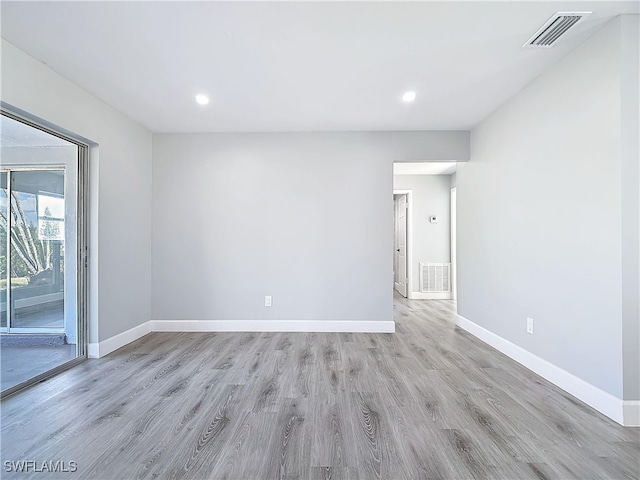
{"type": "Point", "coordinates": [428, 402]}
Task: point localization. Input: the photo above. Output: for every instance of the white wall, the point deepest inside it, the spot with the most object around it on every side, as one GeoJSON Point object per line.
{"type": "Point", "coordinates": [120, 188]}
{"type": "Point", "coordinates": [430, 242]}
{"type": "Point", "coordinates": [120, 212]}
{"type": "Point", "coordinates": [423, 146]}
{"type": "Point", "coordinates": [306, 218]}
{"type": "Point", "coordinates": [540, 219]}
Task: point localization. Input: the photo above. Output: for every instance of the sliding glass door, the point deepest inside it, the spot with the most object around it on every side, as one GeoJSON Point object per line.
{"type": "Point", "coordinates": [41, 261]}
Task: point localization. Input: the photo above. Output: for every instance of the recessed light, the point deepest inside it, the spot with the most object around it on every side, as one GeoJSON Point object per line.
{"type": "Point", "coordinates": [202, 99]}
{"type": "Point", "coordinates": [409, 97]}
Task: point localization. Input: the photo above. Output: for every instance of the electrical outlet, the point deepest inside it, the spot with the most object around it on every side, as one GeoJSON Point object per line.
{"type": "Point", "coordinates": [268, 301]}
{"type": "Point", "coordinates": [530, 325]}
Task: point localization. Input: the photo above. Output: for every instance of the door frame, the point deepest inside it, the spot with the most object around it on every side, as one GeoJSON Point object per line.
{"type": "Point", "coordinates": [10, 168]}
{"type": "Point", "coordinates": [82, 213]}
{"type": "Point", "coordinates": [409, 194]}
{"type": "Point", "coordinates": [454, 242]}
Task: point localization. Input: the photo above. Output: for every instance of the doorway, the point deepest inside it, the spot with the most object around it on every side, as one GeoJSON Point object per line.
{"type": "Point", "coordinates": [42, 245]}
{"type": "Point", "coordinates": [430, 225]}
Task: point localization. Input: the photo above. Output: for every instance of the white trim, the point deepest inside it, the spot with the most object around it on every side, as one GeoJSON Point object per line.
{"type": "Point", "coordinates": [430, 295]}
{"type": "Point", "coordinates": [93, 350]}
{"type": "Point", "coordinates": [105, 347]}
{"type": "Point", "coordinates": [98, 350]}
{"type": "Point", "coordinates": [453, 242]}
{"type": "Point", "coordinates": [350, 326]}
{"type": "Point", "coordinates": [602, 401]}
{"type": "Point", "coordinates": [631, 413]}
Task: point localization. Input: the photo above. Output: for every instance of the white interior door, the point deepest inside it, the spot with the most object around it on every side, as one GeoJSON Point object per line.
{"type": "Point", "coordinates": [400, 247]}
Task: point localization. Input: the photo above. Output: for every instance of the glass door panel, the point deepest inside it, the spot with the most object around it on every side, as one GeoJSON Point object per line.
{"type": "Point", "coordinates": [39, 275]}
{"type": "Point", "coordinates": [37, 248]}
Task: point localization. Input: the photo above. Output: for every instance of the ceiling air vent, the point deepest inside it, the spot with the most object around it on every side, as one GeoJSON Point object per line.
{"type": "Point", "coordinates": [554, 28]}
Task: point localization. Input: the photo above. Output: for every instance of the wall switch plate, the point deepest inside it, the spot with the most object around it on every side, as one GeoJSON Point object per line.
{"type": "Point", "coordinates": [268, 301]}
{"type": "Point", "coordinates": [530, 325]}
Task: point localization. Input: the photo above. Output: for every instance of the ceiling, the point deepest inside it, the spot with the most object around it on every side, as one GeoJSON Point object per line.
{"type": "Point", "coordinates": [424, 168]}
{"type": "Point", "coordinates": [298, 66]}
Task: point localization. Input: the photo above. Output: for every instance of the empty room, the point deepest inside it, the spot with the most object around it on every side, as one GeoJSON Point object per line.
{"type": "Point", "coordinates": [320, 240]}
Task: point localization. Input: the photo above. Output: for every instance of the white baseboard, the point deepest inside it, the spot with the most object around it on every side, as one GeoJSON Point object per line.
{"type": "Point", "coordinates": [430, 296]}
{"type": "Point", "coordinates": [631, 413]}
{"type": "Point", "coordinates": [272, 326]}
{"type": "Point", "coordinates": [105, 347]}
{"type": "Point", "coordinates": [98, 350]}
{"type": "Point", "coordinates": [604, 402]}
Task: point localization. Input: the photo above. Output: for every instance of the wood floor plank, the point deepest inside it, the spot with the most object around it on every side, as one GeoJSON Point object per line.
{"type": "Point", "coordinates": [430, 401]}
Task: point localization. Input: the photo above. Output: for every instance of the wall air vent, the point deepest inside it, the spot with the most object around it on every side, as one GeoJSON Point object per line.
{"type": "Point", "coordinates": [435, 277]}
{"type": "Point", "coordinates": [554, 28]}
